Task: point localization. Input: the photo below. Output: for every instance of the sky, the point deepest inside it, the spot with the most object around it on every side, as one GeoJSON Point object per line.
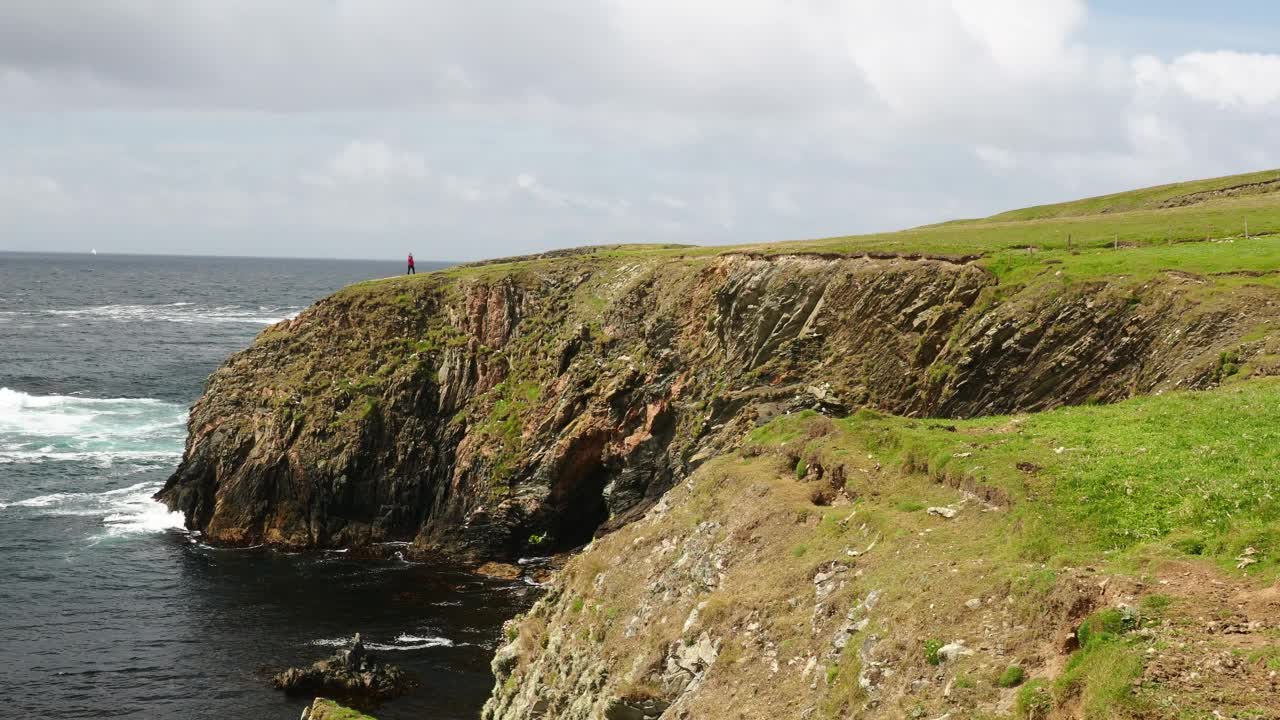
{"type": "Point", "coordinates": [464, 130]}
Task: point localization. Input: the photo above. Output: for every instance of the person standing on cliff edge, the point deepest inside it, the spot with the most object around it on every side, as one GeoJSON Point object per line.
{"type": "Point", "coordinates": [411, 270]}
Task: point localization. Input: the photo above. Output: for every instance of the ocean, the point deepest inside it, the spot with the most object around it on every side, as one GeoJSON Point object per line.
{"type": "Point", "coordinates": [108, 608]}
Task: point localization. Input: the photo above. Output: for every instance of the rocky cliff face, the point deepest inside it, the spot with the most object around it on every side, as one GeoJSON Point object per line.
{"type": "Point", "coordinates": [509, 408]}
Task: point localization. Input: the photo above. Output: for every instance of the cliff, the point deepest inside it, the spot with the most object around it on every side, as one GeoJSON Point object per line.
{"type": "Point", "coordinates": [520, 407]}
{"type": "Point", "coordinates": [1014, 466]}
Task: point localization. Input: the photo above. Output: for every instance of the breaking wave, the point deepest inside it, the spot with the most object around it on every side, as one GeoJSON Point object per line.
{"type": "Point", "coordinates": [124, 511]}
{"type": "Point", "coordinates": [40, 428]}
{"type": "Point", "coordinates": [402, 641]}
{"type": "Point", "coordinates": [185, 312]}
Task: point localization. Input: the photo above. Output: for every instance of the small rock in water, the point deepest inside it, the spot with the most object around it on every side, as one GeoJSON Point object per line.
{"type": "Point", "coordinates": [353, 672]}
{"type": "Point", "coordinates": [502, 571]}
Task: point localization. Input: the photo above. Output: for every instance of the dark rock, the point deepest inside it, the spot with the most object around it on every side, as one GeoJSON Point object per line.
{"type": "Point", "coordinates": [351, 673]}
{"type": "Point", "coordinates": [635, 708]}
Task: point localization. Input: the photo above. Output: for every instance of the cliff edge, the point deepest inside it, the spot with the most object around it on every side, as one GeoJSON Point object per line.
{"type": "Point", "coordinates": [520, 407]}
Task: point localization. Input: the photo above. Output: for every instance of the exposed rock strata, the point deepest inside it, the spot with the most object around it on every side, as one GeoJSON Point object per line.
{"type": "Point", "coordinates": [519, 409]}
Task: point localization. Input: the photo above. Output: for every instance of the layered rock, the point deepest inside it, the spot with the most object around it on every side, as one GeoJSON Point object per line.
{"type": "Point", "coordinates": [518, 408]}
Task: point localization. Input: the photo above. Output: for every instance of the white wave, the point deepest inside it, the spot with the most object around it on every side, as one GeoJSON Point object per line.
{"type": "Point", "coordinates": [412, 642]}
{"type": "Point", "coordinates": [124, 511]}
{"type": "Point", "coordinates": [139, 514]}
{"type": "Point", "coordinates": [99, 459]}
{"type": "Point", "coordinates": [402, 642]}
{"type": "Point", "coordinates": [334, 642]}
{"type": "Point", "coordinates": [36, 428]}
{"type": "Point", "coordinates": [185, 312]}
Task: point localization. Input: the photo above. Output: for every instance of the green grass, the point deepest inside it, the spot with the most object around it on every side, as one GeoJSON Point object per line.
{"type": "Point", "coordinates": [1151, 239]}
{"type": "Point", "coordinates": [1011, 677]}
{"type": "Point", "coordinates": [1103, 670]}
{"type": "Point", "coordinates": [1143, 199]}
{"type": "Point", "coordinates": [931, 648]}
{"type": "Point", "coordinates": [324, 709]}
{"type": "Point", "coordinates": [1104, 626]}
{"type": "Point", "coordinates": [802, 469]}
{"type": "Point", "coordinates": [1034, 700]}
{"type": "Point", "coordinates": [1197, 471]}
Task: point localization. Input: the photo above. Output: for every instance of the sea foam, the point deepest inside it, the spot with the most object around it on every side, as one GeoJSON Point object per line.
{"type": "Point", "coordinates": [124, 511]}
{"type": "Point", "coordinates": [184, 312]}
{"type": "Point", "coordinates": [402, 642]}
{"type": "Point", "coordinates": [38, 428]}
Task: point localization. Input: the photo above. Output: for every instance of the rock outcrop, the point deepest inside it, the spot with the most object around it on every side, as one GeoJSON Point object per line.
{"type": "Point", "coordinates": [523, 408]}
{"type": "Point", "coordinates": [322, 709]}
{"type": "Point", "coordinates": [351, 673]}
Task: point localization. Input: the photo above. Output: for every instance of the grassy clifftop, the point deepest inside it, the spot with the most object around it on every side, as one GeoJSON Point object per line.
{"type": "Point", "coordinates": [1180, 227]}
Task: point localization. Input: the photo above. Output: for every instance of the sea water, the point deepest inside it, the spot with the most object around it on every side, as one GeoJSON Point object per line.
{"type": "Point", "coordinates": [108, 607]}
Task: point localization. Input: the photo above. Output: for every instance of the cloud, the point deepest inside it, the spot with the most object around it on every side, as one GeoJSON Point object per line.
{"type": "Point", "coordinates": [513, 126]}
{"type": "Point", "coordinates": [997, 159]}
{"type": "Point", "coordinates": [1226, 79]}
{"type": "Point", "coordinates": [376, 161]}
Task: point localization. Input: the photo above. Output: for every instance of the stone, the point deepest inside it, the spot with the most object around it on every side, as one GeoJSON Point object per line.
{"type": "Point", "coordinates": [500, 570]}
{"type": "Point", "coordinates": [953, 651]}
{"type": "Point", "coordinates": [505, 660]}
{"type": "Point", "coordinates": [350, 672]}
{"type": "Point", "coordinates": [944, 512]}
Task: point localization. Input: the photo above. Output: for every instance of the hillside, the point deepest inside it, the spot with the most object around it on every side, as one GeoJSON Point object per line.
{"type": "Point", "coordinates": [758, 431]}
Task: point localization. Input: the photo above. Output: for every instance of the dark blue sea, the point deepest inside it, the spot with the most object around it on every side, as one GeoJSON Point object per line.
{"type": "Point", "coordinates": [108, 609]}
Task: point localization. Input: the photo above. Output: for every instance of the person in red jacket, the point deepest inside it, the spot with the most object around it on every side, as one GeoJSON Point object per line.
{"type": "Point", "coordinates": [411, 271]}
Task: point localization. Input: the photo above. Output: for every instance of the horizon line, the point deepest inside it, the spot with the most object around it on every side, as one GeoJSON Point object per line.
{"type": "Point", "coordinates": [79, 253]}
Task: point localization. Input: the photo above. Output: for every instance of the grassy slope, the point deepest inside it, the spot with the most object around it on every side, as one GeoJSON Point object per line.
{"type": "Point", "coordinates": [1195, 472]}
{"type": "Point", "coordinates": [1149, 238]}
{"type": "Point", "coordinates": [1151, 491]}
{"type": "Point", "coordinates": [1147, 198]}
{"type": "Point", "coordinates": [1158, 496]}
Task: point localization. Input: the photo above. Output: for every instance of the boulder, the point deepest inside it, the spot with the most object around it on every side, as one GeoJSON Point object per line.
{"type": "Point", "coordinates": [350, 673]}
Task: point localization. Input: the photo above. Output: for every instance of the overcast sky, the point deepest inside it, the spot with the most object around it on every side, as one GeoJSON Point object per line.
{"type": "Point", "coordinates": [460, 130]}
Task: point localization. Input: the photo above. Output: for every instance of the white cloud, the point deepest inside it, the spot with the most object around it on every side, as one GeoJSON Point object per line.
{"type": "Point", "coordinates": [668, 201]}
{"type": "Point", "coordinates": [565, 122]}
{"type": "Point", "coordinates": [1226, 79]}
{"type": "Point", "coordinates": [782, 200]}
{"type": "Point", "coordinates": [996, 158]}
{"type": "Point", "coordinates": [376, 161]}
